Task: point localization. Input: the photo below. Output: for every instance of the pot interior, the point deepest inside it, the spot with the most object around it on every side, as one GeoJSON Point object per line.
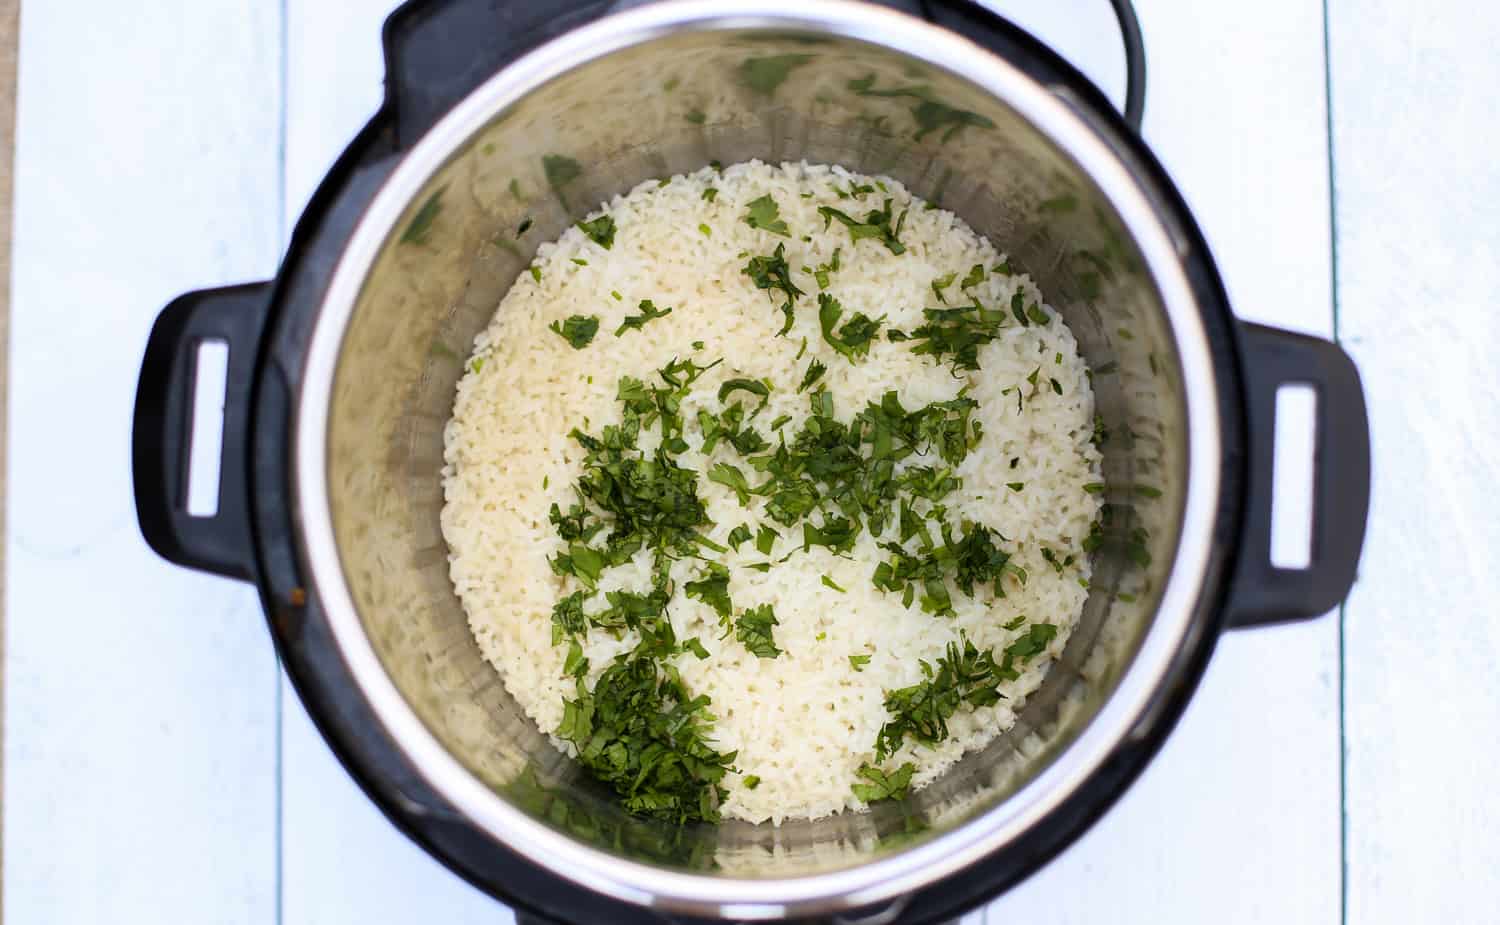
{"type": "Point", "coordinates": [670, 103]}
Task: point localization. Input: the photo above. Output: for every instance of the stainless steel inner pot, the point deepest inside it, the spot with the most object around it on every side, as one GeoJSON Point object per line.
{"type": "Point", "coordinates": [667, 88]}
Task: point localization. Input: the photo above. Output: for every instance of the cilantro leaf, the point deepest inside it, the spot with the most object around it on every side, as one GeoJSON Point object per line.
{"type": "Point", "coordinates": [578, 330]}
{"type": "Point", "coordinates": [853, 342]}
{"type": "Point", "coordinates": [877, 224]}
{"type": "Point", "coordinates": [765, 540]}
{"type": "Point", "coordinates": [964, 675]}
{"type": "Point", "coordinates": [753, 629]}
{"type": "Point", "coordinates": [712, 588]}
{"type": "Point", "coordinates": [883, 786]}
{"type": "Point", "coordinates": [601, 231]}
{"type": "Point", "coordinates": [648, 312]}
{"type": "Point", "coordinates": [766, 215]}
{"type": "Point", "coordinates": [815, 371]}
{"type": "Point", "coordinates": [641, 733]}
{"type": "Point", "coordinates": [732, 478]}
{"type": "Point", "coordinates": [771, 272]}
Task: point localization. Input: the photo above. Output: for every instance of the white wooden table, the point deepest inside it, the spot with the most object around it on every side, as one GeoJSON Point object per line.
{"type": "Point", "coordinates": [159, 769]}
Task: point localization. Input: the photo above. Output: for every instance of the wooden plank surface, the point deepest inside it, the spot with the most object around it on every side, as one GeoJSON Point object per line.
{"type": "Point", "coordinates": [1238, 819]}
{"type": "Point", "coordinates": [1414, 108]}
{"type": "Point", "coordinates": [140, 726]}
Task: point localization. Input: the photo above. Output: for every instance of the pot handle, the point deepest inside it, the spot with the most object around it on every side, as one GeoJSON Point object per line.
{"type": "Point", "coordinates": [1264, 593]}
{"type": "Point", "coordinates": [163, 430]}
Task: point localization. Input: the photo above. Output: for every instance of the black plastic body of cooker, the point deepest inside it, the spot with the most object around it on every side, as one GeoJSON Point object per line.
{"type": "Point", "coordinates": [436, 52]}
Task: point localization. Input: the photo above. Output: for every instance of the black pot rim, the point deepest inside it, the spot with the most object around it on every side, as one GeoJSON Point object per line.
{"type": "Point", "coordinates": [304, 640]}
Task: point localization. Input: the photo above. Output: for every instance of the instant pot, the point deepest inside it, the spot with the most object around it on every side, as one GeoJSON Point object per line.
{"type": "Point", "coordinates": [341, 376]}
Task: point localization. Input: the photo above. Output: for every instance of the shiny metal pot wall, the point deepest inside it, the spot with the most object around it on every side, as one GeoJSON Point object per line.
{"type": "Point", "coordinates": [668, 88]}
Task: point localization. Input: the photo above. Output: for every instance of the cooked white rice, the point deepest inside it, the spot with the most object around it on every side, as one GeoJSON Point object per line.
{"type": "Point", "coordinates": [806, 721]}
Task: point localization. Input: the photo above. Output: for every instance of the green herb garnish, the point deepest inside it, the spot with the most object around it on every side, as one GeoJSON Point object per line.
{"type": "Point", "coordinates": [853, 342]}
{"type": "Point", "coordinates": [858, 662]}
{"type": "Point", "coordinates": [765, 540]}
{"type": "Point", "coordinates": [876, 224]}
{"type": "Point", "coordinates": [642, 733]}
{"type": "Point", "coordinates": [941, 283]}
{"type": "Point", "coordinates": [815, 371]}
{"type": "Point", "coordinates": [648, 312]}
{"type": "Point", "coordinates": [772, 273]}
{"type": "Point", "coordinates": [753, 628]}
{"type": "Point", "coordinates": [921, 712]}
{"type": "Point", "coordinates": [766, 215]}
{"type": "Point", "coordinates": [578, 330]}
{"type": "Point", "coordinates": [883, 786]}
{"type": "Point", "coordinates": [712, 588]}
{"type": "Point", "coordinates": [601, 231]}
{"type": "Point", "coordinates": [824, 269]}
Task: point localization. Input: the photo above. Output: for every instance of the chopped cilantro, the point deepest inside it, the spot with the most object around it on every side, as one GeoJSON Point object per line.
{"type": "Point", "coordinates": [941, 283]}
{"type": "Point", "coordinates": [601, 231]}
{"type": "Point", "coordinates": [770, 273]}
{"type": "Point", "coordinates": [765, 540]}
{"type": "Point", "coordinates": [877, 224]}
{"type": "Point", "coordinates": [858, 662]}
{"type": "Point", "coordinates": [853, 341]}
{"type": "Point", "coordinates": [640, 732]}
{"type": "Point", "coordinates": [955, 333]}
{"type": "Point", "coordinates": [648, 312]}
{"type": "Point", "coordinates": [704, 230]}
{"type": "Point", "coordinates": [753, 628]}
{"type": "Point", "coordinates": [815, 371]}
{"type": "Point", "coordinates": [964, 675]}
{"type": "Point", "coordinates": [824, 269]}
{"type": "Point", "coordinates": [694, 646]}
{"type": "Point", "coordinates": [830, 583]}
{"type": "Point", "coordinates": [710, 194]}
{"type": "Point", "coordinates": [883, 786]}
{"type": "Point", "coordinates": [739, 535]}
{"type": "Point", "coordinates": [766, 215]}
{"type": "Point", "coordinates": [578, 330]}
{"type": "Point", "coordinates": [732, 478]}
{"type": "Point", "coordinates": [712, 588]}
{"type": "Point", "coordinates": [751, 781]}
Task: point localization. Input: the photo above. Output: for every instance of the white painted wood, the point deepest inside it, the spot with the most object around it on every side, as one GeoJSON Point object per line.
{"type": "Point", "coordinates": [1237, 821]}
{"type": "Point", "coordinates": [140, 721]}
{"type": "Point", "coordinates": [1414, 116]}
{"type": "Point", "coordinates": [343, 862]}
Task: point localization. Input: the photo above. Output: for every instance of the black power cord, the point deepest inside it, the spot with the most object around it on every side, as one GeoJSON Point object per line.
{"type": "Point", "coordinates": [1135, 63]}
